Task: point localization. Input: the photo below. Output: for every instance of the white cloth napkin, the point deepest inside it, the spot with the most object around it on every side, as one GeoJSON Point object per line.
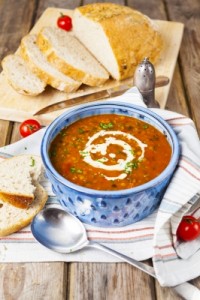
{"type": "Point", "coordinates": [155, 236]}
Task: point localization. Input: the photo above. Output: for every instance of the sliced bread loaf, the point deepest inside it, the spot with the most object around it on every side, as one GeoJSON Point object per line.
{"type": "Point", "coordinates": [69, 56]}
{"type": "Point", "coordinates": [20, 77]}
{"type": "Point", "coordinates": [43, 69]}
{"type": "Point", "coordinates": [118, 36]}
{"type": "Point", "coordinates": [13, 219]}
{"type": "Point", "coordinates": [18, 178]}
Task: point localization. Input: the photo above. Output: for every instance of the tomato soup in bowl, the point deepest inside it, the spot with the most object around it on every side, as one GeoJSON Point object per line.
{"type": "Point", "coordinates": [109, 164]}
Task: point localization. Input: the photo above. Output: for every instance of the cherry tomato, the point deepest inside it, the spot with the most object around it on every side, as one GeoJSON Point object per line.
{"type": "Point", "coordinates": [188, 229]}
{"type": "Point", "coordinates": [28, 127]}
{"type": "Point", "coordinates": [64, 22]}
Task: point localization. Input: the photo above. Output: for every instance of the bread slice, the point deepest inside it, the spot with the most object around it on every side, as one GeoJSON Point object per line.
{"type": "Point", "coordinates": [69, 56]}
{"type": "Point", "coordinates": [18, 179]}
{"type": "Point", "coordinates": [20, 76]}
{"type": "Point", "coordinates": [43, 69]}
{"type": "Point", "coordinates": [13, 219]}
{"type": "Point", "coordinates": [118, 36]}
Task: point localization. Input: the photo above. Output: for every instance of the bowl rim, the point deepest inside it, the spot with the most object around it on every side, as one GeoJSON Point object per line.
{"type": "Point", "coordinates": [124, 106]}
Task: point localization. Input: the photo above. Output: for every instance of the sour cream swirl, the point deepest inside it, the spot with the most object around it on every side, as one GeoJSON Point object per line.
{"type": "Point", "coordinates": [102, 148]}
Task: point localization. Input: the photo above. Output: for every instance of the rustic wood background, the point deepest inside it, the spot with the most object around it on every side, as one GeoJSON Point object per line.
{"type": "Point", "coordinates": [99, 281]}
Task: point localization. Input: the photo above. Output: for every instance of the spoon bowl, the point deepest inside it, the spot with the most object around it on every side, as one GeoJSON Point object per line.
{"type": "Point", "coordinates": [58, 230]}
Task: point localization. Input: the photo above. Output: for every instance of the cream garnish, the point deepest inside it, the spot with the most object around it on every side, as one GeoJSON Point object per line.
{"type": "Point", "coordinates": [102, 148]}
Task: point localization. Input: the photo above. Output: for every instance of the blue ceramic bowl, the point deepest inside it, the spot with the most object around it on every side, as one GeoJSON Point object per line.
{"type": "Point", "coordinates": [109, 208]}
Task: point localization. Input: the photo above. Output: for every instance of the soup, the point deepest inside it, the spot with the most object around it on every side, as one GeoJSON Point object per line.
{"type": "Point", "coordinates": [110, 152]}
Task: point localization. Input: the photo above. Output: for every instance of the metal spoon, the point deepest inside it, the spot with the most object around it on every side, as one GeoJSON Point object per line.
{"type": "Point", "coordinates": [60, 231]}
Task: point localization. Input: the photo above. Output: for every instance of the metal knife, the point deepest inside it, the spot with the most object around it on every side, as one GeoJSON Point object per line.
{"type": "Point", "coordinates": [106, 94]}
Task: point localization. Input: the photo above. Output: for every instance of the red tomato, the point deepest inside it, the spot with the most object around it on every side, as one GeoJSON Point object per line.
{"type": "Point", "coordinates": [188, 229]}
{"type": "Point", "coordinates": [64, 22]}
{"type": "Point", "coordinates": [28, 127]}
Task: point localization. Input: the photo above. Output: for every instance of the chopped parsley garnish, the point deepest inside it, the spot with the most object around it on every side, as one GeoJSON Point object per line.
{"type": "Point", "coordinates": [81, 130]}
{"type": "Point", "coordinates": [145, 126]}
{"type": "Point", "coordinates": [32, 162]}
{"type": "Point", "coordinates": [106, 125]}
{"type": "Point", "coordinates": [84, 153]}
{"type": "Point", "coordinates": [62, 133]}
{"type": "Point", "coordinates": [131, 166]}
{"type": "Point", "coordinates": [74, 170]}
{"type": "Point", "coordinates": [132, 151]}
{"type": "Point", "coordinates": [102, 160]}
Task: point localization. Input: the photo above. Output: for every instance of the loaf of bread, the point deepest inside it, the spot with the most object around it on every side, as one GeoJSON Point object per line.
{"type": "Point", "coordinates": [107, 40]}
{"type": "Point", "coordinates": [20, 76]}
{"type": "Point", "coordinates": [70, 57]}
{"type": "Point", "coordinates": [21, 195]}
{"type": "Point", "coordinates": [118, 36]}
{"type": "Point", "coordinates": [43, 69]}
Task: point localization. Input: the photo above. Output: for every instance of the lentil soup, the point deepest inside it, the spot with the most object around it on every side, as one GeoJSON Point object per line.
{"type": "Point", "coordinates": [110, 152]}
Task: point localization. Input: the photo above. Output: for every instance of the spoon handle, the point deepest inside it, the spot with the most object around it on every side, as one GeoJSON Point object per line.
{"type": "Point", "coordinates": [145, 268]}
{"type": "Point", "coordinates": [185, 290]}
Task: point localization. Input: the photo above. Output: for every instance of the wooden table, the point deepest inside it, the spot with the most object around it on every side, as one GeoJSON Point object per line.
{"type": "Point", "coordinates": [27, 281]}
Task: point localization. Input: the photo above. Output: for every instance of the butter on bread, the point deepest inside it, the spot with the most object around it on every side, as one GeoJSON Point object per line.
{"type": "Point", "coordinates": [118, 36]}
{"type": "Point", "coordinates": [21, 195]}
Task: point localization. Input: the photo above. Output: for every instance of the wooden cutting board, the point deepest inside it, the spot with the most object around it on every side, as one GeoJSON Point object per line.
{"type": "Point", "coordinates": [16, 107]}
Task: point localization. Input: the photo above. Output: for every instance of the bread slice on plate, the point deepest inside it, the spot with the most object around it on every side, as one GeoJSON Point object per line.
{"type": "Point", "coordinates": [118, 36]}
{"type": "Point", "coordinates": [43, 69]}
{"type": "Point", "coordinates": [21, 195]}
{"type": "Point", "coordinates": [70, 57]}
{"type": "Point", "coordinates": [20, 77]}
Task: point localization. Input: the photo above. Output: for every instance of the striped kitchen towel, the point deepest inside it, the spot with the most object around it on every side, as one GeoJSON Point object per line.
{"type": "Point", "coordinates": [176, 261]}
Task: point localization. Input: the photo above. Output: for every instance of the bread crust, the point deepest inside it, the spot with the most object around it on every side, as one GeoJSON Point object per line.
{"type": "Point", "coordinates": [131, 35]}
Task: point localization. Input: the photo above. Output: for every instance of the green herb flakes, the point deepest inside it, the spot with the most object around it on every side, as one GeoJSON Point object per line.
{"type": "Point", "coordinates": [32, 162]}
{"type": "Point", "coordinates": [74, 170]}
{"type": "Point", "coordinates": [84, 153]}
{"type": "Point", "coordinates": [106, 125]}
{"type": "Point", "coordinates": [81, 130]}
{"type": "Point", "coordinates": [145, 126]}
{"type": "Point", "coordinates": [131, 166]}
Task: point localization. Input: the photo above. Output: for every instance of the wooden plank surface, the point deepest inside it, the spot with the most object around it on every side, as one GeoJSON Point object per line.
{"type": "Point", "coordinates": [16, 107]}
{"type": "Point", "coordinates": [109, 281]}
{"type": "Point", "coordinates": [33, 281]}
{"type": "Point", "coordinates": [189, 13]}
{"type": "Point", "coordinates": [94, 280]}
